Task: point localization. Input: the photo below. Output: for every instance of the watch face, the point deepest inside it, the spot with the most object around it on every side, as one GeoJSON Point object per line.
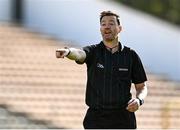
{"type": "Point", "coordinates": [141, 101]}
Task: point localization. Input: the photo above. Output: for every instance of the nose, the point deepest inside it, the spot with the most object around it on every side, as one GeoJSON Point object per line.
{"type": "Point", "coordinates": [107, 26]}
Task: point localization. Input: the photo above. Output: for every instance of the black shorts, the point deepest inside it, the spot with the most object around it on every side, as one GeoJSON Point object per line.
{"type": "Point", "coordinates": [109, 119]}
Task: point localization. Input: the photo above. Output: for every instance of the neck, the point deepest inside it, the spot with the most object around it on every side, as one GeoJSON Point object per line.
{"type": "Point", "coordinates": [111, 44]}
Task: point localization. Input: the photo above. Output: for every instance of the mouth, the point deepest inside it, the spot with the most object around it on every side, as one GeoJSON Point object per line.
{"type": "Point", "coordinates": [107, 32]}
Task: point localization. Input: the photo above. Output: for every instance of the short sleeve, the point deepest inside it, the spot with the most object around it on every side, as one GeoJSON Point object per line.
{"type": "Point", "coordinates": [89, 50]}
{"type": "Point", "coordinates": [138, 72]}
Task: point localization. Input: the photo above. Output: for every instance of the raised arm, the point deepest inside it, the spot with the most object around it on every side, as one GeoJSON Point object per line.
{"type": "Point", "coordinates": [71, 53]}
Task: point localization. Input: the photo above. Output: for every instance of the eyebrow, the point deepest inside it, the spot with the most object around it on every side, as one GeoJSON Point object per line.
{"type": "Point", "coordinates": [109, 21]}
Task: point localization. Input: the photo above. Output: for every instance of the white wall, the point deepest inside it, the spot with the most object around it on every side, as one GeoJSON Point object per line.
{"type": "Point", "coordinates": [5, 10]}
{"type": "Point", "coordinates": [64, 18]}
{"type": "Point", "coordinates": [157, 42]}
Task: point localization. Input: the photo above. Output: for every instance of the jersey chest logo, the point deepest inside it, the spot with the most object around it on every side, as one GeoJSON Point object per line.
{"type": "Point", "coordinates": [100, 66]}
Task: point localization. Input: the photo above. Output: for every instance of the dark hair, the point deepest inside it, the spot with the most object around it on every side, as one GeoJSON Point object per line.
{"type": "Point", "coordinates": [109, 13]}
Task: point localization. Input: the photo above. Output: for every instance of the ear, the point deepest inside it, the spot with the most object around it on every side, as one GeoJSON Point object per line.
{"type": "Point", "coordinates": [120, 28]}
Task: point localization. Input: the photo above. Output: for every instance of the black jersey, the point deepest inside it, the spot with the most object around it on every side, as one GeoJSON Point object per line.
{"type": "Point", "coordinates": [109, 76]}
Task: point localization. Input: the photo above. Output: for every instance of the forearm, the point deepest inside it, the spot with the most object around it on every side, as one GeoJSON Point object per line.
{"type": "Point", "coordinates": [141, 91]}
{"type": "Point", "coordinates": [76, 54]}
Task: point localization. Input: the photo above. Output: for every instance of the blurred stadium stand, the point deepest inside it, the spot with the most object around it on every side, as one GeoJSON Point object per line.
{"type": "Point", "coordinates": [33, 81]}
{"type": "Point", "coordinates": [17, 120]}
{"type": "Point", "coordinates": [39, 91]}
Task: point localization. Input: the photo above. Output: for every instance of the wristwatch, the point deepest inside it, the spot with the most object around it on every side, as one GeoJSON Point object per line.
{"type": "Point", "coordinates": [141, 101]}
{"type": "Point", "coordinates": [68, 51]}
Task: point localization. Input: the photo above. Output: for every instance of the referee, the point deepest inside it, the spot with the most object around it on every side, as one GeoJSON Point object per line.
{"type": "Point", "coordinates": [111, 68]}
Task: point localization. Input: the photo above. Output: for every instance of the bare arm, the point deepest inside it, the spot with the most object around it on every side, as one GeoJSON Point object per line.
{"type": "Point", "coordinates": [71, 53]}
{"type": "Point", "coordinates": [141, 90]}
{"type": "Point", "coordinates": [141, 93]}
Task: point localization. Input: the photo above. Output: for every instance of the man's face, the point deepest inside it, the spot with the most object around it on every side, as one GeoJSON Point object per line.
{"type": "Point", "coordinates": [109, 28]}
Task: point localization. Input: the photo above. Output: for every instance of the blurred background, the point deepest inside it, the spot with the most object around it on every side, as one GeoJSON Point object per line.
{"type": "Point", "coordinates": [39, 91]}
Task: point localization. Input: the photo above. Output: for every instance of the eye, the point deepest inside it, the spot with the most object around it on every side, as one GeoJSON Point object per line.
{"type": "Point", "coordinates": [103, 24]}
{"type": "Point", "coordinates": [111, 23]}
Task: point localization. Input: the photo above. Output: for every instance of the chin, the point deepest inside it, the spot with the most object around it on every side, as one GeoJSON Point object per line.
{"type": "Point", "coordinates": [108, 39]}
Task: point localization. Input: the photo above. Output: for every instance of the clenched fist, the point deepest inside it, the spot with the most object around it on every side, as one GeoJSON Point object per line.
{"type": "Point", "coordinates": [133, 105]}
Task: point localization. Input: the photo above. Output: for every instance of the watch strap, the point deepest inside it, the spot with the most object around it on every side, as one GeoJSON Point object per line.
{"type": "Point", "coordinates": [141, 101]}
